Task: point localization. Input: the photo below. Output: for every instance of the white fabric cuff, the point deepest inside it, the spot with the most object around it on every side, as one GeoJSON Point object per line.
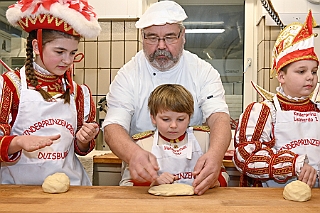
{"type": "Point", "coordinates": [117, 116]}
{"type": "Point", "coordinates": [301, 159]}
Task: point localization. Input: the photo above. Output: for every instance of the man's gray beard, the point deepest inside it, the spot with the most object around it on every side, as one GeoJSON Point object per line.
{"type": "Point", "coordinates": [163, 64]}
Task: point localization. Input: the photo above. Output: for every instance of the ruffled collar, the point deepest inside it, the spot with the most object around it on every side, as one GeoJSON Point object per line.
{"type": "Point", "coordinates": [53, 84]}
{"type": "Point", "coordinates": [303, 104]}
{"type": "Point", "coordinates": [41, 70]}
{"type": "Point", "coordinates": [44, 75]}
{"type": "Point", "coordinates": [281, 92]}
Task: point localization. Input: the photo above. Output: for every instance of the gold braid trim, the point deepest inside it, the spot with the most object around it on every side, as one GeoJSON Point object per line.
{"type": "Point", "coordinates": [146, 134]}
{"type": "Point", "coordinates": [243, 152]}
{"type": "Point", "coordinates": [258, 158]}
{"type": "Point", "coordinates": [16, 81]}
{"type": "Point", "coordinates": [46, 78]}
{"type": "Point", "coordinates": [244, 122]}
{"type": "Point", "coordinates": [251, 157]}
{"type": "Point", "coordinates": [5, 128]}
{"type": "Point", "coordinates": [6, 103]}
{"type": "Point", "coordinates": [201, 128]}
{"type": "Point", "coordinates": [282, 171]}
{"type": "Point", "coordinates": [283, 159]}
{"type": "Point", "coordinates": [283, 99]}
{"type": "Point", "coordinates": [257, 171]}
{"type": "Point", "coordinates": [142, 135]}
{"type": "Point", "coordinates": [263, 116]}
{"type": "Point", "coordinates": [27, 23]}
{"type": "Point", "coordinates": [237, 162]}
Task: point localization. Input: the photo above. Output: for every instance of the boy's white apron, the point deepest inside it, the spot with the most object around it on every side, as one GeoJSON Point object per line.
{"type": "Point", "coordinates": [299, 133]}
{"type": "Point", "coordinates": [180, 161]}
{"type": "Point", "coordinates": [39, 117]}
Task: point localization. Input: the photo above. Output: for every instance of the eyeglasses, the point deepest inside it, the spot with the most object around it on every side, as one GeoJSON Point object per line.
{"type": "Point", "coordinates": [170, 39]}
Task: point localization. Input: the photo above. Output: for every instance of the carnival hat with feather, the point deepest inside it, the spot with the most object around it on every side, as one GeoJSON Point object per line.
{"type": "Point", "coordinates": [294, 43]}
{"type": "Point", "coordinates": [74, 17]}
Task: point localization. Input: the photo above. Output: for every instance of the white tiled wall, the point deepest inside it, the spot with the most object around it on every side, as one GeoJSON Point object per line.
{"type": "Point", "coordinates": [235, 105]}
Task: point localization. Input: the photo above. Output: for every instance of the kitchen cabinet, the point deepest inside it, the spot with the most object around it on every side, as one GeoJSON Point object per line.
{"type": "Point", "coordinates": [106, 174]}
{"type": "Point", "coordinates": [106, 170]}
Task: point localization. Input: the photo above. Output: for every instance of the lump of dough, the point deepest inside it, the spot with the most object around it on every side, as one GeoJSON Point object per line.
{"type": "Point", "coordinates": [172, 189]}
{"type": "Point", "coordinates": [297, 191]}
{"type": "Point", "coordinates": [56, 183]}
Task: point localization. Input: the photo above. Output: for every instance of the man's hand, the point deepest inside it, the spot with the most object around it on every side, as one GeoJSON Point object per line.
{"type": "Point", "coordinates": [206, 173]}
{"type": "Point", "coordinates": [143, 166]}
{"type": "Point", "coordinates": [207, 169]}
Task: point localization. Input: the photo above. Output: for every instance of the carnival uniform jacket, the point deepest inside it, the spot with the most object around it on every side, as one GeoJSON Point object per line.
{"type": "Point", "coordinates": [273, 140]}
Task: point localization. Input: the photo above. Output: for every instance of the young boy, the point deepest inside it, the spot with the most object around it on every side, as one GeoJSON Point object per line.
{"type": "Point", "coordinates": [176, 146]}
{"type": "Point", "coordinates": [277, 141]}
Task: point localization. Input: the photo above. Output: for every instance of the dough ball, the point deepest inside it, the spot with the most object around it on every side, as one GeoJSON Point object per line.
{"type": "Point", "coordinates": [297, 191]}
{"type": "Point", "coordinates": [56, 183]}
{"type": "Point", "coordinates": [172, 189]}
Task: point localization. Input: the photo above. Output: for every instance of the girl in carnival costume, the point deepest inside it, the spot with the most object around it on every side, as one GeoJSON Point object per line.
{"type": "Point", "coordinates": [46, 117]}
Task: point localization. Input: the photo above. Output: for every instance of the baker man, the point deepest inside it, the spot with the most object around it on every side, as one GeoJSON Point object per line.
{"type": "Point", "coordinates": [163, 60]}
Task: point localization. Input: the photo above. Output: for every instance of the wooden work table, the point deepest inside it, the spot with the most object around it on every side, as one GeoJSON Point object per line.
{"type": "Point", "coordinates": [111, 158]}
{"type": "Point", "coordinates": [16, 198]}
{"type": "Point", "coordinates": [108, 158]}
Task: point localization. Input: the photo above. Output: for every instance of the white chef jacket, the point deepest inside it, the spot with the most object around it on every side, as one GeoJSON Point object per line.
{"type": "Point", "coordinates": [127, 99]}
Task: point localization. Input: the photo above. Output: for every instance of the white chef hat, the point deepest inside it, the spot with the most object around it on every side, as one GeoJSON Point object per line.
{"type": "Point", "coordinates": [161, 13]}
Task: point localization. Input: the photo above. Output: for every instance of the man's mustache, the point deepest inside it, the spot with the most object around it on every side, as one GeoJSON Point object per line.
{"type": "Point", "coordinates": [161, 53]}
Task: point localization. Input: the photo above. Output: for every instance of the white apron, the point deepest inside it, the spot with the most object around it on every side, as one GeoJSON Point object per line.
{"type": "Point", "coordinates": [299, 133]}
{"type": "Point", "coordinates": [180, 161]}
{"type": "Point", "coordinates": [39, 117]}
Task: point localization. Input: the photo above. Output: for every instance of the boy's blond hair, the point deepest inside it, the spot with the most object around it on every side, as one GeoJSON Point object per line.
{"type": "Point", "coordinates": [173, 97]}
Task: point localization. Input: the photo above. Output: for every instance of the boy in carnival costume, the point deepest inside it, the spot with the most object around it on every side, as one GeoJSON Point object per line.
{"type": "Point", "coordinates": [277, 141]}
